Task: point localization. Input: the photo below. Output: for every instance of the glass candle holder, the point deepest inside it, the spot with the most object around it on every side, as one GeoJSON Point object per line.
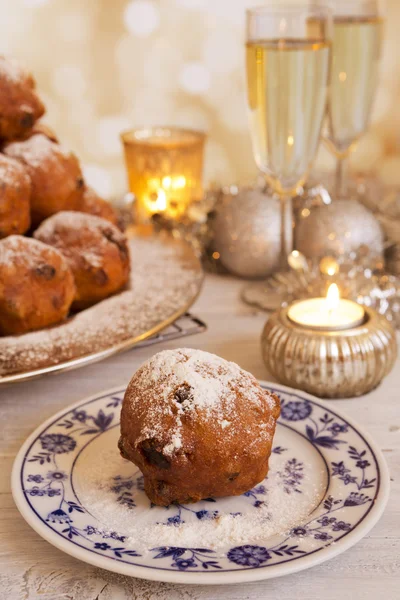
{"type": "Point", "coordinates": [165, 166]}
{"type": "Point", "coordinates": [330, 362]}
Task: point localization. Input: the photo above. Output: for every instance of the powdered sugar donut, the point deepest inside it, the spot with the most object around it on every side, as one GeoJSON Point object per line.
{"type": "Point", "coordinates": [36, 285]}
{"type": "Point", "coordinates": [96, 251]}
{"type": "Point", "coordinates": [20, 106]}
{"type": "Point", "coordinates": [57, 181]}
{"type": "Point", "coordinates": [197, 426]}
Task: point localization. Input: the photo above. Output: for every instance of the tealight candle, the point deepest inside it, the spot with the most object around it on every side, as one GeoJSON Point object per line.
{"type": "Point", "coordinates": [164, 166]}
{"type": "Point", "coordinates": [329, 314]}
{"type": "Point", "coordinates": [329, 347]}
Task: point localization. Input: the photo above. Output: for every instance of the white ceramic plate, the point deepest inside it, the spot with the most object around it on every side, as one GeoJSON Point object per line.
{"type": "Point", "coordinates": [328, 486]}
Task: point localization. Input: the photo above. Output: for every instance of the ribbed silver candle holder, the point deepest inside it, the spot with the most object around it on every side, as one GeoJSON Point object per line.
{"type": "Point", "coordinates": [329, 364]}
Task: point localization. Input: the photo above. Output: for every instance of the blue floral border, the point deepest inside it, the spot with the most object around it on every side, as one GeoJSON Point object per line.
{"type": "Point", "coordinates": [247, 556]}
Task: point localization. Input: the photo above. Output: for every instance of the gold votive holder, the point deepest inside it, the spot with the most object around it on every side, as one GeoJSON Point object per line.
{"type": "Point", "coordinates": [329, 364]}
{"type": "Point", "coordinates": [165, 166]}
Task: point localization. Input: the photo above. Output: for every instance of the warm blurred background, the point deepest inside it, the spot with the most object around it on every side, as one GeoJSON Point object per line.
{"type": "Point", "coordinates": [106, 65]}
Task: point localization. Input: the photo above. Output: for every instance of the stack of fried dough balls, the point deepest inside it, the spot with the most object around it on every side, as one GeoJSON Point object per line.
{"type": "Point", "coordinates": [77, 259]}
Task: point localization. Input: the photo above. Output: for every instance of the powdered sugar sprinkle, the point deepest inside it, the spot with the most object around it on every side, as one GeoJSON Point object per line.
{"type": "Point", "coordinates": [146, 528]}
{"type": "Point", "coordinates": [206, 385]}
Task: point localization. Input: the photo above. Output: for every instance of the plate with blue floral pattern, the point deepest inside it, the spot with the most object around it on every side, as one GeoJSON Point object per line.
{"type": "Point", "coordinates": [327, 487]}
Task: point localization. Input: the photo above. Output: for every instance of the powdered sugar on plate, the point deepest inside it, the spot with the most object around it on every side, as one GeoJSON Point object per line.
{"type": "Point", "coordinates": [165, 279]}
{"type": "Point", "coordinates": [292, 490]}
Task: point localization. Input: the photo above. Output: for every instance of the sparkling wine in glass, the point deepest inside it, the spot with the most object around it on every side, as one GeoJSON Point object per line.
{"type": "Point", "coordinates": [288, 64]}
{"type": "Point", "coordinates": [357, 41]}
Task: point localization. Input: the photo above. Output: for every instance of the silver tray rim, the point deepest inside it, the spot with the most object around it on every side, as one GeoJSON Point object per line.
{"type": "Point", "coordinates": [123, 346]}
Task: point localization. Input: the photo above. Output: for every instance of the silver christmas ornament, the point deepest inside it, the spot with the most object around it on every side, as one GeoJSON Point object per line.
{"type": "Point", "coordinates": [337, 229]}
{"type": "Point", "coordinates": [386, 208]}
{"type": "Point", "coordinates": [387, 211]}
{"type": "Point", "coordinates": [246, 232]}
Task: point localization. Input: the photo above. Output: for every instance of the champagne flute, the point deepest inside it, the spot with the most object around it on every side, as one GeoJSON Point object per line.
{"type": "Point", "coordinates": [357, 41]}
{"type": "Point", "coordinates": [288, 65]}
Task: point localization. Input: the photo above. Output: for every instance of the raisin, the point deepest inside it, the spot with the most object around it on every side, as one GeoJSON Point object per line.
{"type": "Point", "coordinates": [46, 271]}
{"type": "Point", "coordinates": [12, 307]}
{"type": "Point", "coordinates": [57, 301]}
{"type": "Point", "coordinates": [79, 183]}
{"type": "Point", "coordinates": [153, 455]}
{"type": "Point", "coordinates": [182, 393]}
{"type": "Point", "coordinates": [161, 485]}
{"type": "Point", "coordinates": [27, 121]}
{"type": "Point", "coordinates": [109, 234]}
{"type": "Point", "coordinates": [101, 277]}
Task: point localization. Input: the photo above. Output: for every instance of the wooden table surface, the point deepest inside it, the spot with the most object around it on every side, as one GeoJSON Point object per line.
{"type": "Point", "coordinates": [30, 568]}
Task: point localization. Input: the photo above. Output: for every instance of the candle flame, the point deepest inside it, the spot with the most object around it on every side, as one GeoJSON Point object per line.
{"type": "Point", "coordinates": [333, 297]}
{"type": "Point", "coordinates": [179, 182]}
{"type": "Point", "coordinates": [166, 182]}
{"type": "Point", "coordinates": [161, 202]}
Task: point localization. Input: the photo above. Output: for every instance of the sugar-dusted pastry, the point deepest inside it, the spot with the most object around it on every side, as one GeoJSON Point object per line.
{"type": "Point", "coordinates": [57, 181]}
{"type": "Point", "coordinates": [197, 426]}
{"type": "Point", "coordinates": [93, 204]}
{"type": "Point", "coordinates": [36, 285]}
{"type": "Point", "coordinates": [96, 250]}
{"type": "Point", "coordinates": [15, 194]}
{"type": "Point", "coordinates": [20, 106]}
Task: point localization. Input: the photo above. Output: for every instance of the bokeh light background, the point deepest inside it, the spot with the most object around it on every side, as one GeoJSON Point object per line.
{"type": "Point", "coordinates": [106, 65]}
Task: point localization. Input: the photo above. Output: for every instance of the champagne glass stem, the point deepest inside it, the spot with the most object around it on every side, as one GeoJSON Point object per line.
{"type": "Point", "coordinates": [286, 230]}
{"type": "Point", "coordinates": [341, 182]}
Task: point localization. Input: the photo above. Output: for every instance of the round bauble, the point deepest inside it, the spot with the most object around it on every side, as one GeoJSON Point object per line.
{"type": "Point", "coordinates": [339, 228]}
{"type": "Point", "coordinates": [246, 232]}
